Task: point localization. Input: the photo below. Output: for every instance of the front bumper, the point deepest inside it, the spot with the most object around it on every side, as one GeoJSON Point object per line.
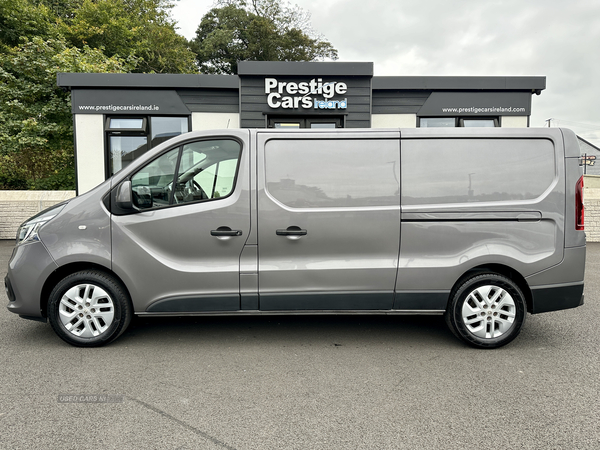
{"type": "Point", "coordinates": [28, 269]}
{"type": "Point", "coordinates": [9, 290]}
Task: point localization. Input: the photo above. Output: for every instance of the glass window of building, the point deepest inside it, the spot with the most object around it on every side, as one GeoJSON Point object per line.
{"type": "Point", "coordinates": [479, 122]}
{"type": "Point", "coordinates": [323, 125]}
{"type": "Point", "coordinates": [305, 122]}
{"type": "Point", "coordinates": [164, 128]}
{"type": "Point", "coordinates": [287, 125]}
{"type": "Point", "coordinates": [124, 149]}
{"type": "Point", "coordinates": [451, 122]}
{"type": "Point", "coordinates": [130, 137]}
{"type": "Point", "coordinates": [126, 123]}
{"type": "Point", "coordinates": [435, 122]}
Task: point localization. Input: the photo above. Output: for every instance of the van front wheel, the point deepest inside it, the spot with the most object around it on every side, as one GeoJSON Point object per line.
{"type": "Point", "coordinates": [487, 311]}
{"type": "Point", "coordinates": [89, 309]}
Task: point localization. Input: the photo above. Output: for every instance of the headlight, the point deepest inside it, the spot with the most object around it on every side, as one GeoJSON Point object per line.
{"type": "Point", "coordinates": [28, 231]}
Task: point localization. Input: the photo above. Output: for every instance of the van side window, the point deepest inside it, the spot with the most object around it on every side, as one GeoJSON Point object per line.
{"type": "Point", "coordinates": [442, 171]}
{"type": "Point", "coordinates": [206, 171]}
{"type": "Point", "coordinates": [333, 173]}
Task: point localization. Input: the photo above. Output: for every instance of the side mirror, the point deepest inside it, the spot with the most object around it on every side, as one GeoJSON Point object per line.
{"type": "Point", "coordinates": [123, 197]}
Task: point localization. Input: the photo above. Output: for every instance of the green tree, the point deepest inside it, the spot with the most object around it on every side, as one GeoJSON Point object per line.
{"type": "Point", "coordinates": [64, 9]}
{"type": "Point", "coordinates": [36, 136]}
{"type": "Point", "coordinates": [40, 38]}
{"type": "Point", "coordinates": [141, 29]}
{"type": "Point", "coordinates": [260, 30]}
{"type": "Point", "coordinates": [23, 19]}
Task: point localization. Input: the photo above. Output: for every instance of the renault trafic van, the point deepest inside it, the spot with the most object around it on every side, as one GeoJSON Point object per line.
{"type": "Point", "coordinates": [480, 225]}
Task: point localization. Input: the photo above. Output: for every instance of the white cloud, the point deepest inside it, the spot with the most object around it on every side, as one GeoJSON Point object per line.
{"type": "Point", "coordinates": [553, 38]}
{"type": "Point", "coordinates": [188, 14]}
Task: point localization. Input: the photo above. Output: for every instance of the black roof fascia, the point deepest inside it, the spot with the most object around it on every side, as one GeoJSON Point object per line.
{"type": "Point", "coordinates": [146, 80]}
{"type": "Point", "coordinates": [278, 68]}
{"type": "Point", "coordinates": [532, 84]}
{"type": "Point", "coordinates": [281, 68]}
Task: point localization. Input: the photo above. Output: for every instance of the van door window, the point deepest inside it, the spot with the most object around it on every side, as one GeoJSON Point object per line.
{"type": "Point", "coordinates": [206, 171]}
{"type": "Point", "coordinates": [151, 186]}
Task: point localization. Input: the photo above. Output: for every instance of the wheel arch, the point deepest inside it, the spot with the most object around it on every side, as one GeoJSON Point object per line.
{"type": "Point", "coordinates": [68, 269]}
{"type": "Point", "coordinates": [501, 269]}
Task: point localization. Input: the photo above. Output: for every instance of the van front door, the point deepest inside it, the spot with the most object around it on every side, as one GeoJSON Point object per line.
{"type": "Point", "coordinates": [180, 253]}
{"type": "Point", "coordinates": [328, 221]}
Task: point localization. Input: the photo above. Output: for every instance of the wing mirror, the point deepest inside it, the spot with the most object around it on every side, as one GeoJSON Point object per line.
{"type": "Point", "coordinates": [123, 198]}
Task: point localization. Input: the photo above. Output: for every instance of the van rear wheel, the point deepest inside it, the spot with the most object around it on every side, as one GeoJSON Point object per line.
{"type": "Point", "coordinates": [89, 309]}
{"type": "Point", "coordinates": [487, 311]}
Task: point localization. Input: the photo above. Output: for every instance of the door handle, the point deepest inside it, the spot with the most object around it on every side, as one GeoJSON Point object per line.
{"type": "Point", "coordinates": [291, 231]}
{"type": "Point", "coordinates": [225, 231]}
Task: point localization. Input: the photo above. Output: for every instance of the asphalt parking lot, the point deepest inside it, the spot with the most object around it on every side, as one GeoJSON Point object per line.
{"type": "Point", "coordinates": [368, 382]}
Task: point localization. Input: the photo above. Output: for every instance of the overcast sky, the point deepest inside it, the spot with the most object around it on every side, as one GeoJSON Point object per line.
{"type": "Point", "coordinates": [559, 39]}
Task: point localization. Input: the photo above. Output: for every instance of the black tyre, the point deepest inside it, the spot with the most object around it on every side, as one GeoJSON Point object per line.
{"type": "Point", "coordinates": [89, 309]}
{"type": "Point", "coordinates": [487, 311]}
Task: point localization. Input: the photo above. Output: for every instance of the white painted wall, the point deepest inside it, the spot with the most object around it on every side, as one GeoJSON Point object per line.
{"type": "Point", "coordinates": [214, 121]}
{"type": "Point", "coordinates": [394, 121]}
{"type": "Point", "coordinates": [513, 121]}
{"type": "Point", "coordinates": [89, 147]}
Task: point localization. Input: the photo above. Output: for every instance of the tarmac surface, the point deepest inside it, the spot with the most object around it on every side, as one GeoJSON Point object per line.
{"type": "Point", "coordinates": [304, 382]}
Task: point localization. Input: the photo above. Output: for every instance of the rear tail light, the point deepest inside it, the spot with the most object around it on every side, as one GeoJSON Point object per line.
{"type": "Point", "coordinates": [579, 210]}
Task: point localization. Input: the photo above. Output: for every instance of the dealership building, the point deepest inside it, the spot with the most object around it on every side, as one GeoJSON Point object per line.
{"type": "Point", "coordinates": [118, 117]}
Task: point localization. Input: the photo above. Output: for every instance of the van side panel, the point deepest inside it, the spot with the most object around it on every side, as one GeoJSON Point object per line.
{"type": "Point", "coordinates": [473, 198]}
{"type": "Point", "coordinates": [342, 199]}
{"type": "Point", "coordinates": [82, 232]}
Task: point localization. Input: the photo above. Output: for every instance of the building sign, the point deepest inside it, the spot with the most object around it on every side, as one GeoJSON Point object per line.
{"type": "Point", "coordinates": [313, 94]}
{"type": "Point", "coordinates": [127, 101]}
{"type": "Point", "coordinates": [482, 103]}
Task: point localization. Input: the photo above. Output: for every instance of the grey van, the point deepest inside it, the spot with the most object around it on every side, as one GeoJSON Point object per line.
{"type": "Point", "coordinates": [480, 225]}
